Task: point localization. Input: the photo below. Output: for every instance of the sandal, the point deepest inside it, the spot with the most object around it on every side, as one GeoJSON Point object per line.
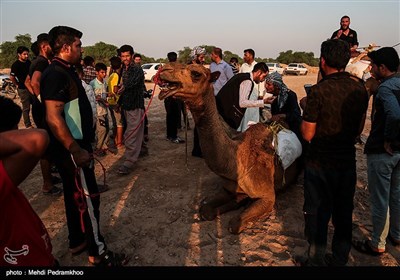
{"type": "Point", "coordinates": [364, 246]}
{"type": "Point", "coordinates": [111, 259]}
{"type": "Point", "coordinates": [177, 140]}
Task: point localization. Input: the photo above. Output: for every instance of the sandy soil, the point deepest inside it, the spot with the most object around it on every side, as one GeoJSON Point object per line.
{"type": "Point", "coordinates": [152, 214]}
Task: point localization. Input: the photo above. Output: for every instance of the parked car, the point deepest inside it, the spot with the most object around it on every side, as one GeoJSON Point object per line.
{"type": "Point", "coordinates": [296, 68]}
{"type": "Point", "coordinates": [150, 70]}
{"type": "Point", "coordinates": [7, 86]}
{"type": "Point", "coordinates": [3, 77]}
{"type": "Point", "coordinates": [275, 67]}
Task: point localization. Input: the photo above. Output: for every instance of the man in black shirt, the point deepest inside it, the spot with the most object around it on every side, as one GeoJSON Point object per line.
{"type": "Point", "coordinates": [347, 34]}
{"type": "Point", "coordinates": [132, 104]}
{"type": "Point", "coordinates": [333, 117]}
{"type": "Point", "coordinates": [173, 110]}
{"type": "Point", "coordinates": [39, 64]}
{"type": "Point", "coordinates": [19, 71]}
{"type": "Point", "coordinates": [70, 125]}
{"type": "Point", "coordinates": [32, 82]}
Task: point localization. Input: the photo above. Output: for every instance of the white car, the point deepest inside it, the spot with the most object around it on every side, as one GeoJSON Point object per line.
{"type": "Point", "coordinates": [150, 70]}
{"type": "Point", "coordinates": [296, 68]}
{"type": "Point", "coordinates": [275, 67]}
{"type": "Point", "coordinates": [3, 77]}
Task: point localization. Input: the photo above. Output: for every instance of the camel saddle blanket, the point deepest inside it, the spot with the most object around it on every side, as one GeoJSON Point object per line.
{"type": "Point", "coordinates": [358, 68]}
{"type": "Point", "coordinates": [287, 146]}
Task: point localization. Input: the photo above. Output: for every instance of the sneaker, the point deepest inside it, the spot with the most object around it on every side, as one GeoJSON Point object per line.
{"type": "Point", "coordinates": [177, 140]}
{"type": "Point", "coordinates": [123, 170]}
{"type": "Point", "coordinates": [109, 259]}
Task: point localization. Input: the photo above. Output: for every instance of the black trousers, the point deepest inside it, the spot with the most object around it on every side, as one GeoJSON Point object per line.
{"type": "Point", "coordinates": [196, 144]}
{"type": "Point", "coordinates": [82, 212]}
{"type": "Point", "coordinates": [38, 114]}
{"type": "Point", "coordinates": [329, 193]}
{"type": "Point", "coordinates": [172, 107]}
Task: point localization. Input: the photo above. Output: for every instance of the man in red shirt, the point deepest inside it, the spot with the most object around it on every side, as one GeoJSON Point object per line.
{"type": "Point", "coordinates": [24, 240]}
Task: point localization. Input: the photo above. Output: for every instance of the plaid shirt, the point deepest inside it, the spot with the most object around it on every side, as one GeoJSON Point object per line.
{"type": "Point", "coordinates": [89, 73]}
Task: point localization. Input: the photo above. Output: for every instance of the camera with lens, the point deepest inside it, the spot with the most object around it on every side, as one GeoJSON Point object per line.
{"type": "Point", "coordinates": [148, 93]}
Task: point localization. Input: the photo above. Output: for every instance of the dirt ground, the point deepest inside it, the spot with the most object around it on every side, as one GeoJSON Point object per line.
{"type": "Point", "coordinates": [152, 214]}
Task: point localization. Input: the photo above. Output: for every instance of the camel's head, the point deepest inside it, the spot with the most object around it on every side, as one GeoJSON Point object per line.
{"type": "Point", "coordinates": [187, 82]}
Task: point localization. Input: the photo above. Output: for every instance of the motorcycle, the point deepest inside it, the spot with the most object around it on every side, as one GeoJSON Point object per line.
{"type": "Point", "coordinates": [9, 88]}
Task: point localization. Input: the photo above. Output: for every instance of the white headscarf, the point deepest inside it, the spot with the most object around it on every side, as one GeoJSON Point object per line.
{"type": "Point", "coordinates": [196, 52]}
{"type": "Point", "coordinates": [276, 79]}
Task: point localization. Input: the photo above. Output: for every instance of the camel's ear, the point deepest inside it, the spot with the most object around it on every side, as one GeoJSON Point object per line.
{"type": "Point", "coordinates": [214, 76]}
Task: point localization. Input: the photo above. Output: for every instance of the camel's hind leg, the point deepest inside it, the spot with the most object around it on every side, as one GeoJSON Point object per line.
{"type": "Point", "coordinates": [258, 209]}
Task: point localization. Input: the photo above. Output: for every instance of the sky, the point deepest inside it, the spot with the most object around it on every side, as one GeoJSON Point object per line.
{"type": "Point", "coordinates": [155, 28]}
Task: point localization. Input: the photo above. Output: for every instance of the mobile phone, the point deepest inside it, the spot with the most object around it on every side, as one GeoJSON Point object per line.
{"type": "Point", "coordinates": [307, 88]}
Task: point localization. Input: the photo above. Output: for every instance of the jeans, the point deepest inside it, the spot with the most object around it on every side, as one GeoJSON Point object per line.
{"type": "Point", "coordinates": [384, 189]}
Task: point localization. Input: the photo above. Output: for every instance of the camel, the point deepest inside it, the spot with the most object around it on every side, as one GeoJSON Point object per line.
{"type": "Point", "coordinates": [252, 172]}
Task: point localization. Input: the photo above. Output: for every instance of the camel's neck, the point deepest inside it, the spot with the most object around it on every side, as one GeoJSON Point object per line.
{"type": "Point", "coordinates": [219, 150]}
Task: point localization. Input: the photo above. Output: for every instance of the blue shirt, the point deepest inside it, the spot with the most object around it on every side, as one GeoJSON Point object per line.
{"type": "Point", "coordinates": [226, 73]}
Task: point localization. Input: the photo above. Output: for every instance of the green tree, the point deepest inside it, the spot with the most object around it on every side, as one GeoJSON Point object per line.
{"type": "Point", "coordinates": [297, 57]}
{"type": "Point", "coordinates": [101, 52]}
{"type": "Point", "coordinates": [228, 55]}
{"type": "Point", "coordinates": [8, 50]}
{"type": "Point", "coordinates": [183, 55]}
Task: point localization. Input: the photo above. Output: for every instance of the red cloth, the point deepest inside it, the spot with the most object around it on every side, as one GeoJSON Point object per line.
{"type": "Point", "coordinates": [24, 240]}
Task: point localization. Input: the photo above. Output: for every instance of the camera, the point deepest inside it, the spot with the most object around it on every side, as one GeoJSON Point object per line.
{"type": "Point", "coordinates": [148, 93]}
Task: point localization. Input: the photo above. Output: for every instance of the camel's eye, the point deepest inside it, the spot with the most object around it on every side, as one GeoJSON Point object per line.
{"type": "Point", "coordinates": [196, 75]}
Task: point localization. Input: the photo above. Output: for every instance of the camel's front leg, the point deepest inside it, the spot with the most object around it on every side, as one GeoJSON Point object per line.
{"type": "Point", "coordinates": [260, 208]}
{"type": "Point", "coordinates": [209, 213]}
{"type": "Point", "coordinates": [208, 208]}
{"type": "Point", "coordinates": [223, 202]}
